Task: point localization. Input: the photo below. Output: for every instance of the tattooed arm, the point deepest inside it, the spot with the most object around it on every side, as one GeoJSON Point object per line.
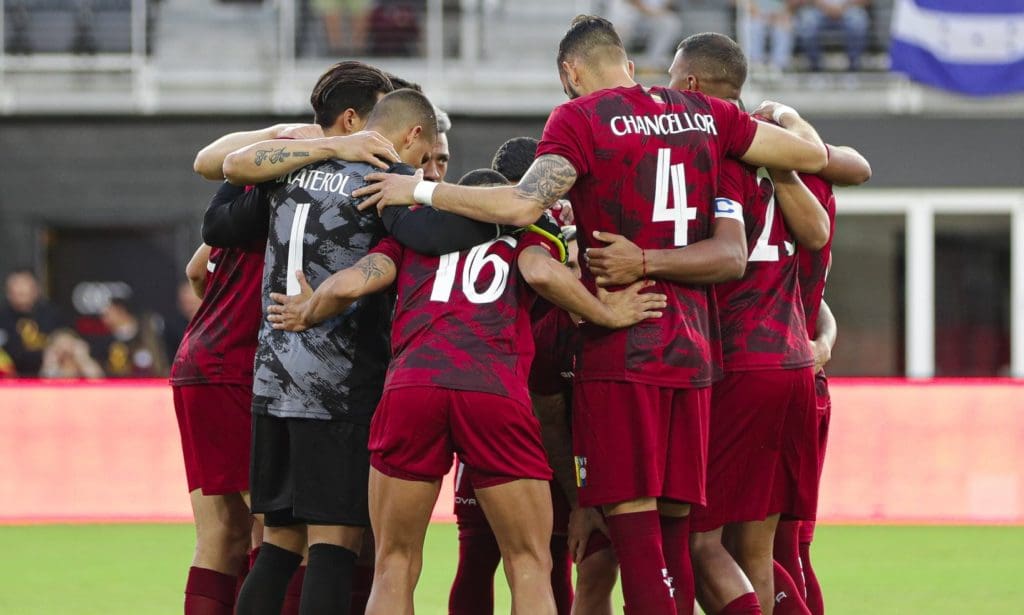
{"type": "Point", "coordinates": [547, 180]}
{"type": "Point", "coordinates": [371, 274]}
{"type": "Point", "coordinates": [210, 160]}
{"type": "Point", "coordinates": [268, 160]}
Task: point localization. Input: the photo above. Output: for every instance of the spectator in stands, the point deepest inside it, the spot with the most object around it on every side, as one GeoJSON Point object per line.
{"type": "Point", "coordinates": [653, 20]}
{"type": "Point", "coordinates": [6, 366]}
{"type": "Point", "coordinates": [25, 322]}
{"type": "Point", "coordinates": [67, 356]}
{"type": "Point", "coordinates": [395, 28]}
{"type": "Point", "coordinates": [818, 16]}
{"type": "Point", "coordinates": [335, 14]}
{"type": "Point", "coordinates": [764, 17]}
{"type": "Point", "coordinates": [134, 348]}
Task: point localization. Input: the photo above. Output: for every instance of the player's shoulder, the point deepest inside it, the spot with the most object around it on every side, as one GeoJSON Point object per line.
{"type": "Point", "coordinates": [689, 99]}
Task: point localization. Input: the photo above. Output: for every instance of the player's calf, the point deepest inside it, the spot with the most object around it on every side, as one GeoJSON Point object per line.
{"type": "Point", "coordinates": [400, 512]}
{"type": "Point", "coordinates": [752, 544]}
{"type": "Point", "coordinates": [596, 575]}
{"type": "Point", "coordinates": [635, 529]}
{"type": "Point", "coordinates": [720, 582]}
{"type": "Point", "coordinates": [519, 513]}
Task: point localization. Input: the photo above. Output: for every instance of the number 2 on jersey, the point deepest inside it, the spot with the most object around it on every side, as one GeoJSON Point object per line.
{"type": "Point", "coordinates": [476, 260]}
{"type": "Point", "coordinates": [679, 213]}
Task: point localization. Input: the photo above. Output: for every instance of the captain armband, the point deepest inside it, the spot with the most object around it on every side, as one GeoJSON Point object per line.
{"type": "Point", "coordinates": [728, 208]}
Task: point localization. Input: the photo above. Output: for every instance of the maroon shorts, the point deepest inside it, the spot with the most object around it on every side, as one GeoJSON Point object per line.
{"type": "Point", "coordinates": [795, 492]}
{"type": "Point", "coordinates": [215, 422]}
{"type": "Point", "coordinates": [750, 412]}
{"type": "Point", "coordinates": [636, 440]}
{"type": "Point", "coordinates": [470, 516]}
{"type": "Point", "coordinates": [824, 405]}
{"type": "Point", "coordinates": [416, 430]}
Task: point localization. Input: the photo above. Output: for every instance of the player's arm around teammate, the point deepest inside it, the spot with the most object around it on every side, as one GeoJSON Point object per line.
{"type": "Point", "coordinates": [720, 258]}
{"type": "Point", "coordinates": [210, 160]}
{"type": "Point", "coordinates": [825, 333]}
{"type": "Point", "coordinates": [372, 273]}
{"type": "Point", "coordinates": [268, 160]}
{"type": "Point", "coordinates": [196, 270]}
{"type": "Point", "coordinates": [846, 167]}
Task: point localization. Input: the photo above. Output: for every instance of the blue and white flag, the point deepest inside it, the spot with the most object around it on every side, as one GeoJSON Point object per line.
{"type": "Point", "coordinates": [969, 46]}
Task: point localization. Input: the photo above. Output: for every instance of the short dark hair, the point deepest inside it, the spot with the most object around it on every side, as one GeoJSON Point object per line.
{"type": "Point", "coordinates": [21, 270]}
{"type": "Point", "coordinates": [347, 85]}
{"type": "Point", "coordinates": [716, 57]}
{"type": "Point", "coordinates": [588, 34]}
{"type": "Point", "coordinates": [402, 108]}
{"type": "Point", "coordinates": [514, 157]}
{"type": "Point", "coordinates": [483, 177]}
{"type": "Point", "coordinates": [123, 303]}
{"type": "Point", "coordinates": [401, 84]}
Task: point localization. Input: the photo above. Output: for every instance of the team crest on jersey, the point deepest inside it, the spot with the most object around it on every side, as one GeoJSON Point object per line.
{"type": "Point", "coordinates": [581, 471]}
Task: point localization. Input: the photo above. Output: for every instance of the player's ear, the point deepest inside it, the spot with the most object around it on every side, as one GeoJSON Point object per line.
{"type": "Point", "coordinates": [630, 68]}
{"type": "Point", "coordinates": [348, 122]}
{"type": "Point", "coordinates": [413, 134]}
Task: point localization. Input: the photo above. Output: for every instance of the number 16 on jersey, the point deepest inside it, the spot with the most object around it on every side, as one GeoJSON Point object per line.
{"type": "Point", "coordinates": [679, 213]}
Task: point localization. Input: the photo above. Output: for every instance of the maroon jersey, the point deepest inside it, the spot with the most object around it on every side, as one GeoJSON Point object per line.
{"type": "Point", "coordinates": [558, 338]}
{"type": "Point", "coordinates": [220, 341]}
{"type": "Point", "coordinates": [463, 318]}
{"type": "Point", "coordinates": [814, 265]}
{"type": "Point", "coordinates": [761, 315]}
{"type": "Point", "coordinates": [647, 167]}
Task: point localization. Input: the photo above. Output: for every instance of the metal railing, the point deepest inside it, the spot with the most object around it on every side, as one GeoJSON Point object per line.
{"type": "Point", "coordinates": [472, 56]}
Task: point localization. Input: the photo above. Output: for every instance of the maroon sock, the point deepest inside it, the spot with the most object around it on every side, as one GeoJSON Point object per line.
{"type": "Point", "coordinates": [250, 560]}
{"type": "Point", "coordinates": [362, 583]}
{"type": "Point", "coordinates": [293, 595]}
{"type": "Point", "coordinates": [815, 601]}
{"type": "Point", "coordinates": [787, 552]}
{"type": "Point", "coordinates": [646, 586]}
{"type": "Point", "coordinates": [208, 592]}
{"type": "Point", "coordinates": [746, 604]}
{"type": "Point", "coordinates": [561, 574]}
{"type": "Point", "coordinates": [473, 588]}
{"type": "Point", "coordinates": [787, 599]}
{"type": "Point", "coordinates": [675, 539]}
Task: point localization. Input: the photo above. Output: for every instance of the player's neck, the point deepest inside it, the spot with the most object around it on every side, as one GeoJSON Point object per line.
{"type": "Point", "coordinates": [615, 77]}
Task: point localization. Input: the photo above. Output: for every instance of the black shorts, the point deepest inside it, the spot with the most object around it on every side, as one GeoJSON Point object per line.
{"type": "Point", "coordinates": [309, 471]}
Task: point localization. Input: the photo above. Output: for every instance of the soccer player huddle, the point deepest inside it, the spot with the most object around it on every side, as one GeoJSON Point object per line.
{"type": "Point", "coordinates": [619, 330]}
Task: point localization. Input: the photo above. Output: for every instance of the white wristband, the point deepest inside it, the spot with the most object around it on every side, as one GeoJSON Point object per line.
{"type": "Point", "coordinates": [424, 192]}
{"type": "Point", "coordinates": [783, 110]}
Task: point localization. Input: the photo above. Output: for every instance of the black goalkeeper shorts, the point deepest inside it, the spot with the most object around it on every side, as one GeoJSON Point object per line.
{"type": "Point", "coordinates": [309, 471]}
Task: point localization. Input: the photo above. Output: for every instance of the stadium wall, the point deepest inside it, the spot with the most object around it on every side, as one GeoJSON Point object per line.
{"type": "Point", "coordinates": [946, 451]}
{"type": "Point", "coordinates": [135, 172]}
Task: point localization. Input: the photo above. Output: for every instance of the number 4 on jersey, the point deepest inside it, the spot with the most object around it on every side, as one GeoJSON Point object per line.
{"type": "Point", "coordinates": [679, 213]}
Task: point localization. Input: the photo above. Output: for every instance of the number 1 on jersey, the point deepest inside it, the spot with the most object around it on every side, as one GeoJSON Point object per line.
{"type": "Point", "coordinates": [679, 213]}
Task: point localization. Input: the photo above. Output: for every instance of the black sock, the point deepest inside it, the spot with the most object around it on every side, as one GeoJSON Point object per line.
{"type": "Point", "coordinates": [327, 587]}
{"type": "Point", "coordinates": [265, 586]}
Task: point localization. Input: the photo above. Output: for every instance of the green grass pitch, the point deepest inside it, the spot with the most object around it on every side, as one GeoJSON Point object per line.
{"type": "Point", "coordinates": [140, 569]}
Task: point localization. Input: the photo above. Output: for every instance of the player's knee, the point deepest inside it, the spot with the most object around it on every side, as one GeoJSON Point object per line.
{"type": "Point", "coordinates": [705, 546]}
{"type": "Point", "coordinates": [528, 562]}
{"type": "Point", "coordinates": [596, 575]}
